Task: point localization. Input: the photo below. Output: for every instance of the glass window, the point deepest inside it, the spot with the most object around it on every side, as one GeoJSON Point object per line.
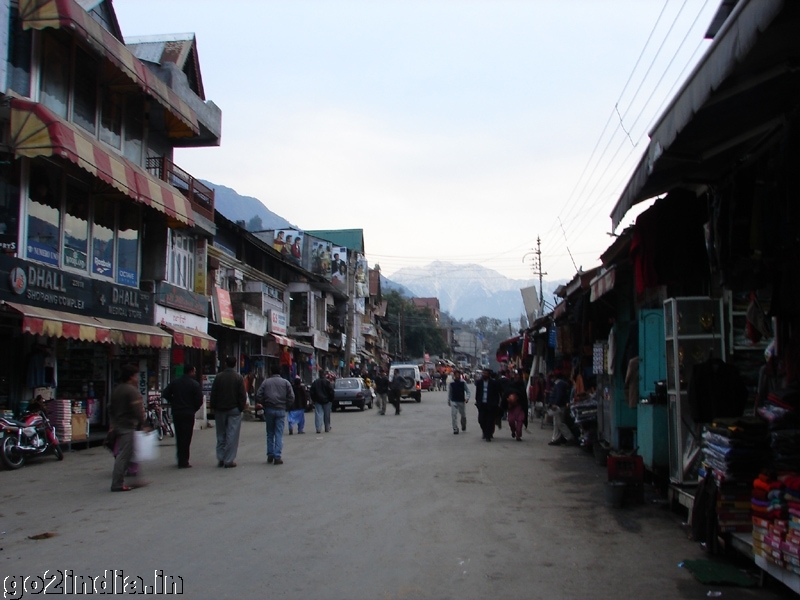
{"type": "Point", "coordinates": [55, 74]}
{"type": "Point", "coordinates": [128, 247]}
{"type": "Point", "coordinates": [103, 238]}
{"type": "Point", "coordinates": [181, 260]}
{"type": "Point", "coordinates": [19, 56]}
{"type": "Point", "coordinates": [134, 128]}
{"type": "Point", "coordinates": [76, 226]}
{"type": "Point", "coordinates": [111, 119]}
{"type": "Point", "coordinates": [9, 207]}
{"type": "Point", "coordinates": [298, 309]}
{"type": "Point", "coordinates": [84, 111]}
{"type": "Point", "coordinates": [44, 215]}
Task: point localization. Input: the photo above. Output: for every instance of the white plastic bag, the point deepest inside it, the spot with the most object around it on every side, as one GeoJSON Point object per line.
{"type": "Point", "coordinates": [145, 446]}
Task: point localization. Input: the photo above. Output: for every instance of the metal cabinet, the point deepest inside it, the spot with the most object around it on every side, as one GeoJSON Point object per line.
{"type": "Point", "coordinates": [652, 430]}
{"type": "Point", "coordinates": [693, 333]}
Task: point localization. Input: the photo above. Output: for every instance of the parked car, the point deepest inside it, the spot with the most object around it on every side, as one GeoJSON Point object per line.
{"type": "Point", "coordinates": [351, 391]}
{"type": "Point", "coordinates": [426, 383]}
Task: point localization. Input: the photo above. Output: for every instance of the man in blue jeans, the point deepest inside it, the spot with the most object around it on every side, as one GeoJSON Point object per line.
{"type": "Point", "coordinates": [276, 396]}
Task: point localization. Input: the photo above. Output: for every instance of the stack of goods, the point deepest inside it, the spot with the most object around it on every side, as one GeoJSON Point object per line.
{"type": "Point", "coordinates": [733, 508]}
{"type": "Point", "coordinates": [584, 413]}
{"type": "Point", "coordinates": [59, 412]}
{"type": "Point", "coordinates": [776, 520]}
{"type": "Point", "coordinates": [735, 449]}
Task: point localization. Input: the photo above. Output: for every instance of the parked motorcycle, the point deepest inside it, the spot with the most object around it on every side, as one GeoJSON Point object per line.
{"type": "Point", "coordinates": [32, 434]}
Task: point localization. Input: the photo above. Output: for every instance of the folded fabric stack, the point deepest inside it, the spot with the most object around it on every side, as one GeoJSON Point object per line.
{"type": "Point", "coordinates": [735, 449]}
{"type": "Point", "coordinates": [776, 520]}
{"type": "Point", "coordinates": [59, 412]}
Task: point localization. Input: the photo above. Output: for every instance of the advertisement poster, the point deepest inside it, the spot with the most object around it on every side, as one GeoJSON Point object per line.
{"type": "Point", "coordinates": [321, 258]}
{"type": "Point", "coordinates": [289, 242]}
{"type": "Point", "coordinates": [362, 287]}
{"type": "Point", "coordinates": [339, 266]}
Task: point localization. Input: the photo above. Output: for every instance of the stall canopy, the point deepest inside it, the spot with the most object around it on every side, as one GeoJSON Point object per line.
{"type": "Point", "coordinates": [283, 341]}
{"type": "Point", "coordinates": [69, 15]}
{"type": "Point", "coordinates": [736, 98]}
{"type": "Point", "coordinates": [603, 283]}
{"type": "Point", "coordinates": [36, 131]}
{"type": "Point", "coordinates": [507, 348]}
{"type": "Point", "coordinates": [191, 338]}
{"type": "Point", "coordinates": [56, 323]}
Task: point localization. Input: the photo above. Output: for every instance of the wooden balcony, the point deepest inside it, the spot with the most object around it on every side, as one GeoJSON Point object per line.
{"type": "Point", "coordinates": [200, 196]}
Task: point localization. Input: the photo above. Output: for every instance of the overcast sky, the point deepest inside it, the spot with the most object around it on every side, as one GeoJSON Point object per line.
{"type": "Point", "coordinates": [455, 130]}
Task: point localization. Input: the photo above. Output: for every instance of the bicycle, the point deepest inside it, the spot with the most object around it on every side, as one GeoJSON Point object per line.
{"type": "Point", "coordinates": [158, 419]}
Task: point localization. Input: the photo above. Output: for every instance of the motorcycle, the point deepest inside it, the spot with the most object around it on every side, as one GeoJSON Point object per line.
{"type": "Point", "coordinates": [32, 434]}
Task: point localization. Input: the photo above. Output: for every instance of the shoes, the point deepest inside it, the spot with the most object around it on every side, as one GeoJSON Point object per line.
{"type": "Point", "coordinates": [230, 465]}
{"type": "Point", "coordinates": [557, 442]}
{"type": "Point", "coordinates": [513, 435]}
{"type": "Point", "coordinates": [455, 431]}
{"type": "Point", "coordinates": [220, 463]}
{"type": "Point", "coordinates": [299, 432]}
{"type": "Point", "coordinates": [186, 466]}
{"type": "Point", "coordinates": [271, 459]}
{"type": "Point", "coordinates": [318, 431]}
{"type": "Point", "coordinates": [290, 431]}
{"type": "Point", "coordinates": [124, 488]}
{"type": "Point", "coordinates": [328, 429]}
{"type": "Point", "coordinates": [519, 439]}
{"type": "Point", "coordinates": [463, 428]}
{"type": "Point", "coordinates": [278, 461]}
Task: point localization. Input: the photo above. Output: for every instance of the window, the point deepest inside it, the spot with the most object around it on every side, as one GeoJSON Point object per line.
{"type": "Point", "coordinates": [180, 257]}
{"type": "Point", "coordinates": [44, 215]}
{"type": "Point", "coordinates": [111, 119]}
{"type": "Point", "coordinates": [19, 56]}
{"type": "Point", "coordinates": [103, 239]}
{"type": "Point", "coordinates": [298, 309]}
{"type": "Point", "coordinates": [128, 247]}
{"type": "Point", "coordinates": [55, 75]}
{"type": "Point", "coordinates": [134, 128]}
{"type": "Point", "coordinates": [9, 207]}
{"type": "Point", "coordinates": [76, 226]}
{"type": "Point", "coordinates": [84, 111]}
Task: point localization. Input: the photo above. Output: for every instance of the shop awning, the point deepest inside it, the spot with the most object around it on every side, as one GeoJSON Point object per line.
{"type": "Point", "coordinates": [603, 283]}
{"type": "Point", "coordinates": [560, 309]}
{"type": "Point", "coordinates": [68, 15]}
{"type": "Point", "coordinates": [56, 323]}
{"type": "Point", "coordinates": [303, 347]}
{"type": "Point", "coordinates": [737, 95]}
{"type": "Point", "coordinates": [283, 341]}
{"type": "Point", "coordinates": [191, 338]}
{"type": "Point", "coordinates": [36, 131]}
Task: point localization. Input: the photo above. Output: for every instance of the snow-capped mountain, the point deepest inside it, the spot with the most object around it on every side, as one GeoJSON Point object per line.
{"type": "Point", "coordinates": [469, 291]}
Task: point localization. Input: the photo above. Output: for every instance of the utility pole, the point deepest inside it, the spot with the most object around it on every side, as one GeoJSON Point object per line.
{"type": "Point", "coordinates": [536, 268]}
{"type": "Point", "coordinates": [351, 307]}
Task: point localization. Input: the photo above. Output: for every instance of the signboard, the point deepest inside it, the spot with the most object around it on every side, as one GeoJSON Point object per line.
{"type": "Point", "coordinates": [321, 341]}
{"type": "Point", "coordinates": [181, 299]}
{"type": "Point", "coordinates": [254, 323]}
{"type": "Point", "coordinates": [339, 267]}
{"type": "Point", "coordinates": [362, 268]}
{"type": "Point", "coordinates": [44, 287]}
{"type": "Point", "coordinates": [200, 266]}
{"type": "Point", "coordinates": [225, 307]}
{"type": "Point", "coordinates": [289, 242]}
{"type": "Point", "coordinates": [277, 322]}
{"type": "Point", "coordinates": [170, 316]}
{"type": "Point", "coordinates": [321, 257]}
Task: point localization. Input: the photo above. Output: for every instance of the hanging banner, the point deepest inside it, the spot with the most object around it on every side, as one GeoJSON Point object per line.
{"type": "Point", "coordinates": [224, 306]}
{"type": "Point", "coordinates": [339, 267]}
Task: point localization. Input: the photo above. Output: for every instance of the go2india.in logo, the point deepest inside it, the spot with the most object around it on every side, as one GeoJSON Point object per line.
{"type": "Point", "coordinates": [112, 581]}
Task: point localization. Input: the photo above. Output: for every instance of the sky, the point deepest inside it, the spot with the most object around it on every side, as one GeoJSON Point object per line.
{"type": "Point", "coordinates": [451, 130]}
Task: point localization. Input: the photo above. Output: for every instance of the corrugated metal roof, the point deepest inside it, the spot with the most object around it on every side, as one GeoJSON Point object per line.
{"type": "Point", "coordinates": [352, 239]}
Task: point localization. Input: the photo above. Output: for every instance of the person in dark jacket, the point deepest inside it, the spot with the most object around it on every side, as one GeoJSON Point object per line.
{"type": "Point", "coordinates": [487, 399]}
{"type": "Point", "coordinates": [126, 409]}
{"type": "Point", "coordinates": [186, 397]}
{"type": "Point", "coordinates": [276, 396]}
{"type": "Point", "coordinates": [558, 406]}
{"type": "Point", "coordinates": [228, 400]}
{"type": "Point", "coordinates": [396, 386]}
{"type": "Point", "coordinates": [382, 390]}
{"type": "Point", "coordinates": [297, 413]}
{"type": "Point", "coordinates": [457, 397]}
{"type": "Point", "coordinates": [322, 397]}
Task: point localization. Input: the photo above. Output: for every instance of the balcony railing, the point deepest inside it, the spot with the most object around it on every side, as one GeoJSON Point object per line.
{"type": "Point", "coordinates": [200, 196]}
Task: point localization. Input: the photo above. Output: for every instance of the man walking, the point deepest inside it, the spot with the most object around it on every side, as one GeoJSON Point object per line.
{"type": "Point", "coordinates": [186, 397]}
{"type": "Point", "coordinates": [322, 397]}
{"type": "Point", "coordinates": [395, 388]}
{"type": "Point", "coordinates": [558, 401]}
{"type": "Point", "coordinates": [228, 399]}
{"type": "Point", "coordinates": [126, 409]}
{"type": "Point", "coordinates": [457, 397]}
{"type": "Point", "coordinates": [487, 397]}
{"type": "Point", "coordinates": [382, 390]}
{"type": "Point", "coordinates": [276, 396]}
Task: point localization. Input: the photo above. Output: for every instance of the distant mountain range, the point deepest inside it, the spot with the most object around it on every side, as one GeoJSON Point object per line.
{"type": "Point", "coordinates": [464, 291]}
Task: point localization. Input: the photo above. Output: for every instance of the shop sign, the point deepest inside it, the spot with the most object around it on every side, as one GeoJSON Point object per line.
{"type": "Point", "coordinates": [255, 323]}
{"type": "Point", "coordinates": [175, 297]}
{"type": "Point", "coordinates": [200, 266]}
{"type": "Point", "coordinates": [169, 316]}
{"type": "Point", "coordinates": [41, 286]}
{"type": "Point", "coordinates": [75, 259]}
{"type": "Point", "coordinates": [277, 322]}
{"type": "Point", "coordinates": [225, 307]}
{"type": "Point", "coordinates": [8, 243]}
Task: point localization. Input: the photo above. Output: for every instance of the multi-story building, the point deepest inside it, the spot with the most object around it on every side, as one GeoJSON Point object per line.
{"type": "Point", "coordinates": [104, 238]}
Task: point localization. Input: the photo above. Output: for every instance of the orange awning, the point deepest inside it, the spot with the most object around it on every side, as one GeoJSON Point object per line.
{"type": "Point", "coordinates": [69, 15]}
{"type": "Point", "coordinates": [191, 338]}
{"type": "Point", "coordinates": [36, 131]}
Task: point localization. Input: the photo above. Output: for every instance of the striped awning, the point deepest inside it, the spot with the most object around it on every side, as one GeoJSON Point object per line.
{"type": "Point", "coordinates": [603, 283]}
{"type": "Point", "coordinates": [283, 341]}
{"type": "Point", "coordinates": [36, 131]}
{"type": "Point", "coordinates": [69, 15]}
{"type": "Point", "coordinates": [191, 338]}
{"type": "Point", "coordinates": [60, 324]}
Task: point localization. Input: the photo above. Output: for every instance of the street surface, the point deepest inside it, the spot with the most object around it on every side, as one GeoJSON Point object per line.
{"type": "Point", "coordinates": [382, 507]}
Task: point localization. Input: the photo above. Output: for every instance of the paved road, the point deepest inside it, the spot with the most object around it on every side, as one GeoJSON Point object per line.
{"type": "Point", "coordinates": [383, 507]}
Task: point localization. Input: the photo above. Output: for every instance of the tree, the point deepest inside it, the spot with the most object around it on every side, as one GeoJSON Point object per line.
{"type": "Point", "coordinates": [417, 332]}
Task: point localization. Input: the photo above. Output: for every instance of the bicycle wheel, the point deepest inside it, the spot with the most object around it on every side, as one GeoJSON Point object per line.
{"type": "Point", "coordinates": [167, 423]}
{"type": "Point", "coordinates": [156, 425]}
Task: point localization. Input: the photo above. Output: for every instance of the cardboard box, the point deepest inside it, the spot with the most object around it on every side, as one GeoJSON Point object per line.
{"type": "Point", "coordinates": [80, 427]}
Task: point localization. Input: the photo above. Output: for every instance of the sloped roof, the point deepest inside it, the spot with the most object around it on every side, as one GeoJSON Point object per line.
{"type": "Point", "coordinates": [177, 48]}
{"type": "Point", "coordinates": [352, 239]}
